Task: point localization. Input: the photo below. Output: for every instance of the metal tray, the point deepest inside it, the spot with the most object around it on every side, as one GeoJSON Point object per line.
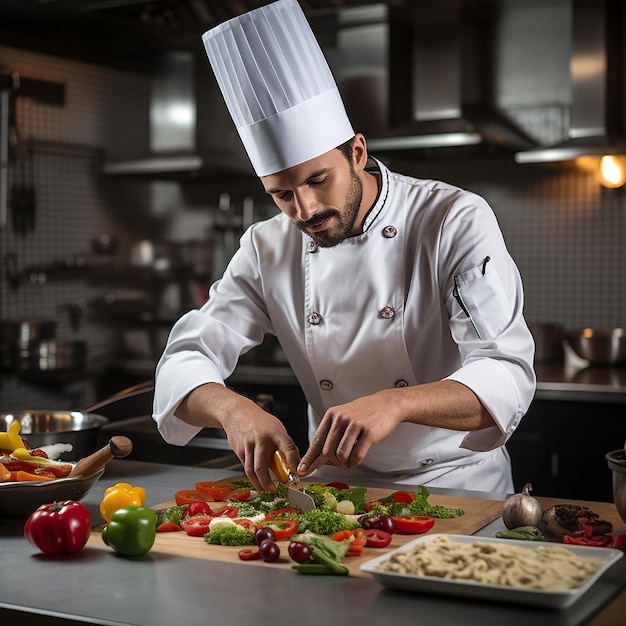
{"type": "Point", "coordinates": [476, 590]}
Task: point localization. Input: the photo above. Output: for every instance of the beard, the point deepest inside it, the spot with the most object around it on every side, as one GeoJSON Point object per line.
{"type": "Point", "coordinates": [345, 219]}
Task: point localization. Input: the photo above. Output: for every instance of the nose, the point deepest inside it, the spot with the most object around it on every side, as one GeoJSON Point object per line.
{"type": "Point", "coordinates": [306, 204]}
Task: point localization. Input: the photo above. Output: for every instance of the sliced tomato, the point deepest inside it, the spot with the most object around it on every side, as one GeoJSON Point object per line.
{"type": "Point", "coordinates": [413, 524]}
{"type": "Point", "coordinates": [187, 496]}
{"type": "Point", "coordinates": [227, 511]}
{"type": "Point", "coordinates": [241, 494]}
{"type": "Point", "coordinates": [248, 554]}
{"type": "Point", "coordinates": [619, 542]}
{"type": "Point", "coordinates": [196, 526]}
{"type": "Point", "coordinates": [218, 491]}
{"type": "Point", "coordinates": [403, 496]}
{"type": "Point", "coordinates": [339, 486]}
{"type": "Point", "coordinates": [376, 538]}
{"type": "Point", "coordinates": [246, 523]}
{"type": "Point", "coordinates": [198, 507]}
{"type": "Point", "coordinates": [356, 538]}
{"type": "Point", "coordinates": [283, 528]}
{"type": "Point", "coordinates": [284, 512]}
{"type": "Point", "coordinates": [168, 527]}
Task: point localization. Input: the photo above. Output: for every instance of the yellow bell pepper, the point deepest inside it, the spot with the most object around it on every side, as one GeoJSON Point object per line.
{"type": "Point", "coordinates": [11, 440]}
{"type": "Point", "coordinates": [25, 455]}
{"type": "Point", "coordinates": [119, 496]}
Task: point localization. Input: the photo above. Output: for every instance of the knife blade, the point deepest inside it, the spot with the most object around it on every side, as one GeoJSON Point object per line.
{"type": "Point", "coordinates": [285, 475]}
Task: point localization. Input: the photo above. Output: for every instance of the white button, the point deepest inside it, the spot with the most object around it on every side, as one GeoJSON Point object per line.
{"type": "Point", "coordinates": [390, 232]}
{"type": "Point", "coordinates": [326, 385]}
{"type": "Point", "coordinates": [311, 246]}
{"type": "Point", "coordinates": [427, 462]}
{"type": "Point", "coordinates": [314, 318]}
{"type": "Point", "coordinates": [388, 312]}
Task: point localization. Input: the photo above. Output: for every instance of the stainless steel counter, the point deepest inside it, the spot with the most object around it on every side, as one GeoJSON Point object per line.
{"type": "Point", "coordinates": [570, 381]}
{"type": "Point", "coordinates": [97, 586]}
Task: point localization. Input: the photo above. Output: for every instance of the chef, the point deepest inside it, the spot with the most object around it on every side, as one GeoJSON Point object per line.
{"type": "Point", "coordinates": [394, 299]}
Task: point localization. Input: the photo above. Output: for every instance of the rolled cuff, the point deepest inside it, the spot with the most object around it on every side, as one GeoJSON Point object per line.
{"type": "Point", "coordinates": [177, 377]}
{"type": "Point", "coordinates": [499, 391]}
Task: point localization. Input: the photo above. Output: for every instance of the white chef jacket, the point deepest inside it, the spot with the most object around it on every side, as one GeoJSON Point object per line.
{"type": "Point", "coordinates": [426, 292]}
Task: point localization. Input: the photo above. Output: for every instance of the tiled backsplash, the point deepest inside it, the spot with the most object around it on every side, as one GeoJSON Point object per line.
{"type": "Point", "coordinates": [565, 233]}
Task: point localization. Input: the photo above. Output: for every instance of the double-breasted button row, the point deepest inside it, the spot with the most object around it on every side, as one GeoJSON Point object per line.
{"type": "Point", "coordinates": [387, 312]}
{"type": "Point", "coordinates": [327, 385]}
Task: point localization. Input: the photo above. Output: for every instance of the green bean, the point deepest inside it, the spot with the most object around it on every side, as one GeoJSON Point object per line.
{"type": "Point", "coordinates": [317, 568]}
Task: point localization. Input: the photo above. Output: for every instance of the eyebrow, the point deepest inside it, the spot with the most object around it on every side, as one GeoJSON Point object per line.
{"type": "Point", "coordinates": [320, 172]}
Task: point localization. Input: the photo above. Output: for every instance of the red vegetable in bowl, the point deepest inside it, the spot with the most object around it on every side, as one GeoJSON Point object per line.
{"type": "Point", "coordinates": [59, 527]}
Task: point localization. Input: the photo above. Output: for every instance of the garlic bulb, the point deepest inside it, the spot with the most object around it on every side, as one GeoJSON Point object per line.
{"type": "Point", "coordinates": [522, 509]}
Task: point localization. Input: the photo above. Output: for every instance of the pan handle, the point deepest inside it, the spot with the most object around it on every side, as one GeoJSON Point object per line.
{"type": "Point", "coordinates": [130, 392]}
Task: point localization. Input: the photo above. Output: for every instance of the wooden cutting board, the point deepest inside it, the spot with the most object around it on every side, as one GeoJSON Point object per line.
{"type": "Point", "coordinates": [478, 513]}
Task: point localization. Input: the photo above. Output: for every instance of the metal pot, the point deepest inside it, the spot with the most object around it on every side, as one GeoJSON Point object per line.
{"type": "Point", "coordinates": [18, 332]}
{"type": "Point", "coordinates": [548, 341]}
{"type": "Point", "coordinates": [51, 355]}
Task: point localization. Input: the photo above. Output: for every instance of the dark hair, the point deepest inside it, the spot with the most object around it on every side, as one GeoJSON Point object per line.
{"type": "Point", "coordinates": [346, 149]}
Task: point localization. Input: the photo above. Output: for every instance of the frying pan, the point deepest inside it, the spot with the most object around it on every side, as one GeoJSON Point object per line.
{"type": "Point", "coordinates": [81, 428]}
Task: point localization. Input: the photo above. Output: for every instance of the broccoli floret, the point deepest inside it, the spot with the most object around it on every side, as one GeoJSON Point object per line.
{"type": "Point", "coordinates": [230, 535]}
{"type": "Point", "coordinates": [171, 514]}
{"type": "Point", "coordinates": [324, 522]}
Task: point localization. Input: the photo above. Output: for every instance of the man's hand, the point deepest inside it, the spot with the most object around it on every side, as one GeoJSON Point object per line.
{"type": "Point", "coordinates": [253, 434]}
{"type": "Point", "coordinates": [348, 431]}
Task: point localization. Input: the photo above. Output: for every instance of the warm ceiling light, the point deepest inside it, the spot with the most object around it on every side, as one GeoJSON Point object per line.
{"type": "Point", "coordinates": [612, 171]}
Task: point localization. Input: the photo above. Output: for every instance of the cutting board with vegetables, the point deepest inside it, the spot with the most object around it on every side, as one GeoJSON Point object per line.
{"type": "Point", "coordinates": [477, 513]}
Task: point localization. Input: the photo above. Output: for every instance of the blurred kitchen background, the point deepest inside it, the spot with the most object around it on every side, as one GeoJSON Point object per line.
{"type": "Point", "coordinates": [124, 188]}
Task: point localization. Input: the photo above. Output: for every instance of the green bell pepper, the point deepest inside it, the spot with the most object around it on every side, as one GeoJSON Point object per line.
{"type": "Point", "coordinates": [131, 531]}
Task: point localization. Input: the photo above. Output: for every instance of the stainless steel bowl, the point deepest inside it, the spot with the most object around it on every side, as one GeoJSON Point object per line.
{"type": "Point", "coordinates": [617, 465]}
{"type": "Point", "coordinates": [599, 346]}
{"type": "Point", "coordinates": [43, 428]}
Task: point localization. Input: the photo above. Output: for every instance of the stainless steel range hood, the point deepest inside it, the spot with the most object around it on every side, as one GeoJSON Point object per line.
{"type": "Point", "coordinates": [191, 135]}
{"type": "Point", "coordinates": [440, 82]}
{"type": "Point", "coordinates": [598, 83]}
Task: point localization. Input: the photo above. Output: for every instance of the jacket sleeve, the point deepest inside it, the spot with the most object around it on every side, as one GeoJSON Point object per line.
{"type": "Point", "coordinates": [483, 291]}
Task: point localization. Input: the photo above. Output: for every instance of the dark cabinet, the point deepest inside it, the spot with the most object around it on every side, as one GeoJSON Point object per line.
{"type": "Point", "coordinates": [560, 446]}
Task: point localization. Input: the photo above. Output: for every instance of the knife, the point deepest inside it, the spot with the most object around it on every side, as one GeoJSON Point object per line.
{"type": "Point", "coordinates": [285, 475]}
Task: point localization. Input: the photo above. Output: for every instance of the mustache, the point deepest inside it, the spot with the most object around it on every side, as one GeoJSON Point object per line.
{"type": "Point", "coordinates": [318, 218]}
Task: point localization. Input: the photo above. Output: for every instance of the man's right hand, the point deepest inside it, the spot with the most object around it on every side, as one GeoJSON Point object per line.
{"type": "Point", "coordinates": [253, 433]}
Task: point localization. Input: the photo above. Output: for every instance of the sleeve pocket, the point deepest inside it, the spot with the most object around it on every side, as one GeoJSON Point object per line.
{"type": "Point", "coordinates": [482, 297]}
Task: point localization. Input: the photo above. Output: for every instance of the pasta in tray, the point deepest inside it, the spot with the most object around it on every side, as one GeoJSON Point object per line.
{"type": "Point", "coordinates": [545, 567]}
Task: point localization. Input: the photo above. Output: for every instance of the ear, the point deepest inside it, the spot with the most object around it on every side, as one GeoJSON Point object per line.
{"type": "Point", "coordinates": [359, 152]}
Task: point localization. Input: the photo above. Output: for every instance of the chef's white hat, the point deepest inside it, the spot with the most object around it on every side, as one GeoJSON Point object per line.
{"type": "Point", "coordinates": [277, 86]}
